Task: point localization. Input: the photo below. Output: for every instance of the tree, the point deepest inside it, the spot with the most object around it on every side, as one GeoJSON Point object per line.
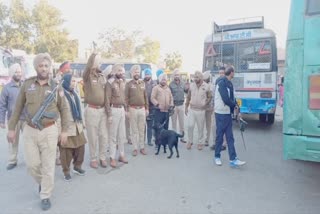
{"type": "Point", "coordinates": [17, 25]}
{"type": "Point", "coordinates": [117, 43]}
{"type": "Point", "coordinates": [173, 60]}
{"type": "Point", "coordinates": [49, 35]}
{"type": "Point", "coordinates": [149, 50]}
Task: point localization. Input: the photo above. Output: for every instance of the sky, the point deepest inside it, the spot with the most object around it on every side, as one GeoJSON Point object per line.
{"type": "Point", "coordinates": [178, 25]}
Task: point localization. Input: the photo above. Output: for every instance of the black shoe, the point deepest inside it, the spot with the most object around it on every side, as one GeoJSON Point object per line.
{"type": "Point", "coordinates": [67, 177]}
{"type": "Point", "coordinates": [213, 147]}
{"type": "Point", "coordinates": [11, 166]}
{"type": "Point", "coordinates": [45, 204]}
{"type": "Point", "coordinates": [223, 148]}
{"type": "Point", "coordinates": [79, 171]}
{"type": "Point", "coordinates": [39, 188]}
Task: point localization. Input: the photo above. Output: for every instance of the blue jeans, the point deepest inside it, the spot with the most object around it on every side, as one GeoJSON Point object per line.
{"type": "Point", "coordinates": [224, 126]}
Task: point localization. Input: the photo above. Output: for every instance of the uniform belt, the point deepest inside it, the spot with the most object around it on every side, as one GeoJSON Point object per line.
{"type": "Point", "coordinates": [137, 107]}
{"type": "Point", "coordinates": [116, 106]}
{"type": "Point", "coordinates": [94, 106]}
{"type": "Point", "coordinates": [44, 126]}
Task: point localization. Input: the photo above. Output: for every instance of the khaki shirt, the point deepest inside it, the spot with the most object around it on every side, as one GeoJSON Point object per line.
{"type": "Point", "coordinates": [94, 89]}
{"type": "Point", "coordinates": [161, 97]}
{"type": "Point", "coordinates": [199, 96]}
{"type": "Point", "coordinates": [135, 94]}
{"type": "Point", "coordinates": [114, 94]}
{"type": "Point", "coordinates": [31, 96]}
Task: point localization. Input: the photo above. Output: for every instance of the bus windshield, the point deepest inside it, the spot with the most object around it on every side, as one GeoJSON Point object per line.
{"type": "Point", "coordinates": [245, 56]}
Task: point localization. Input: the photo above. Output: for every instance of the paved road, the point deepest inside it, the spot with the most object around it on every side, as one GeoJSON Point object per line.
{"type": "Point", "coordinates": [190, 184]}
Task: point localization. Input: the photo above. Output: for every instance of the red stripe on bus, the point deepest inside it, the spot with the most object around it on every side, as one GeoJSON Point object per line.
{"type": "Point", "coordinates": [314, 103]}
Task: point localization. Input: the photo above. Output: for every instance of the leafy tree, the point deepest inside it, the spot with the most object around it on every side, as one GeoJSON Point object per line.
{"type": "Point", "coordinates": [49, 35]}
{"type": "Point", "coordinates": [173, 60]}
{"type": "Point", "coordinates": [16, 23]}
{"type": "Point", "coordinates": [36, 30]}
{"type": "Point", "coordinates": [149, 50]}
{"type": "Point", "coordinates": [117, 43]}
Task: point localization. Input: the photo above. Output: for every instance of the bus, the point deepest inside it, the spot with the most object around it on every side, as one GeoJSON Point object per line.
{"type": "Point", "coordinates": [185, 76]}
{"type": "Point", "coordinates": [251, 49]}
{"type": "Point", "coordinates": [301, 111]}
{"type": "Point", "coordinates": [78, 68]}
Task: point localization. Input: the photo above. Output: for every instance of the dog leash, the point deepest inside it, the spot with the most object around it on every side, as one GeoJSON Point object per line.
{"type": "Point", "coordinates": [243, 124]}
{"type": "Point", "coordinates": [244, 144]}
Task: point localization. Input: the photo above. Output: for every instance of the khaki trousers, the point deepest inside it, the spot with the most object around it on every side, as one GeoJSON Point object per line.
{"type": "Point", "coordinates": [137, 119]}
{"type": "Point", "coordinates": [40, 154]}
{"type": "Point", "coordinates": [14, 147]}
{"type": "Point", "coordinates": [208, 116]}
{"type": "Point", "coordinates": [178, 115]}
{"type": "Point", "coordinates": [97, 132]}
{"type": "Point", "coordinates": [67, 154]}
{"type": "Point", "coordinates": [196, 117]}
{"type": "Point", "coordinates": [117, 132]}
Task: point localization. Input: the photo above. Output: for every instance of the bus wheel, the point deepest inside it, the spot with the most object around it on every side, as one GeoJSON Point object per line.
{"type": "Point", "coordinates": [262, 118]}
{"type": "Point", "coordinates": [270, 118]}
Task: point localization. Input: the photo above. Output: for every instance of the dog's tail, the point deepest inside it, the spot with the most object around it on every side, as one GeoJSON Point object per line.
{"type": "Point", "coordinates": [180, 135]}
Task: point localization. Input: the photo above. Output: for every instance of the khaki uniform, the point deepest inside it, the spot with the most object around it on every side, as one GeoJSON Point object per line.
{"type": "Point", "coordinates": [209, 117]}
{"type": "Point", "coordinates": [95, 115]}
{"type": "Point", "coordinates": [40, 145]}
{"type": "Point", "coordinates": [115, 106]}
{"type": "Point", "coordinates": [198, 98]}
{"type": "Point", "coordinates": [137, 102]}
{"type": "Point", "coordinates": [75, 146]}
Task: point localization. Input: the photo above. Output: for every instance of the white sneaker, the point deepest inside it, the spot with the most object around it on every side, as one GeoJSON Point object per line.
{"type": "Point", "coordinates": [236, 162]}
{"type": "Point", "coordinates": [218, 161]}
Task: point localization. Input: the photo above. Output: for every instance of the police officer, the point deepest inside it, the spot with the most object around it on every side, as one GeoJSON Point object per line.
{"type": "Point", "coordinates": [115, 106]}
{"type": "Point", "coordinates": [95, 115]}
{"type": "Point", "coordinates": [40, 145]}
{"type": "Point", "coordinates": [149, 84]}
{"type": "Point", "coordinates": [137, 107]}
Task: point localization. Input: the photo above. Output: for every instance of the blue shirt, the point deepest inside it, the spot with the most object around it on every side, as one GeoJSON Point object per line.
{"type": "Point", "coordinates": [8, 99]}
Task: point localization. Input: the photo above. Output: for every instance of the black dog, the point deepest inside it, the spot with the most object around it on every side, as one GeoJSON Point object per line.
{"type": "Point", "coordinates": [167, 137]}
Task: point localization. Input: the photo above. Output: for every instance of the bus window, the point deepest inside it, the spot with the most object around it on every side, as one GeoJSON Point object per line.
{"type": "Point", "coordinates": [254, 56]}
{"type": "Point", "coordinates": [313, 7]}
{"type": "Point", "coordinates": [228, 56]}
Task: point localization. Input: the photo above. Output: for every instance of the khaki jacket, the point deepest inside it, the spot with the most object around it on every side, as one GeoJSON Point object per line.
{"type": "Point", "coordinates": [199, 97]}
{"type": "Point", "coordinates": [161, 97]}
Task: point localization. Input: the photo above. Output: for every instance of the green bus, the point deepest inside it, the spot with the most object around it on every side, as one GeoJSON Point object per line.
{"type": "Point", "coordinates": [301, 112]}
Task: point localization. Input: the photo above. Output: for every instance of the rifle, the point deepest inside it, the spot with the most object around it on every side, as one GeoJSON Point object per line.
{"type": "Point", "coordinates": [41, 113]}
